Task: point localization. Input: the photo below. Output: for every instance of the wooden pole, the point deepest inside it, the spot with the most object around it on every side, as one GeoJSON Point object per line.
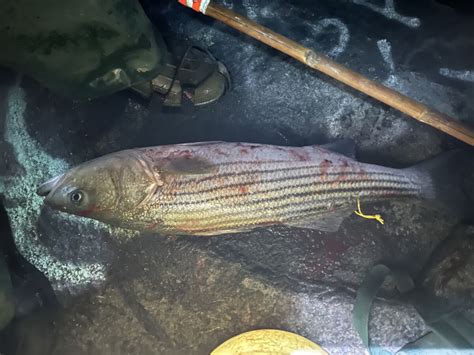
{"type": "Point", "coordinates": [337, 71]}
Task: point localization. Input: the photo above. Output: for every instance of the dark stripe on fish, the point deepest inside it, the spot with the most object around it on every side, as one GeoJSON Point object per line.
{"type": "Point", "coordinates": [198, 196]}
{"type": "Point", "coordinates": [272, 205]}
{"type": "Point", "coordinates": [294, 169]}
{"type": "Point", "coordinates": [246, 222]}
{"type": "Point", "coordinates": [290, 178]}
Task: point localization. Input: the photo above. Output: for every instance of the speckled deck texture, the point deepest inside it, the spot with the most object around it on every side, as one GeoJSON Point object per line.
{"type": "Point", "coordinates": [125, 293]}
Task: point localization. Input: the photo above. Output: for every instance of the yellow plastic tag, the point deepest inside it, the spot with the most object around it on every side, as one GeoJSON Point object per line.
{"type": "Point", "coordinates": [377, 217]}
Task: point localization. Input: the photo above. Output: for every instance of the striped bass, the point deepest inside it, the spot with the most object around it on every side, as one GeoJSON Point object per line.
{"type": "Point", "coordinates": [217, 187]}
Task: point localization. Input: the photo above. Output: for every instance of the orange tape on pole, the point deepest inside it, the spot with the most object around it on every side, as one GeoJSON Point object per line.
{"type": "Point", "coordinates": [196, 5]}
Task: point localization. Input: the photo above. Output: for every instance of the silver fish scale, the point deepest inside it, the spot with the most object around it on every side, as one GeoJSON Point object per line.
{"type": "Point", "coordinates": [243, 195]}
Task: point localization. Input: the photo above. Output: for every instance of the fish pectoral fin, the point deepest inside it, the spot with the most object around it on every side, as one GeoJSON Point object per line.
{"type": "Point", "coordinates": [344, 146]}
{"type": "Point", "coordinates": [330, 222]}
{"type": "Point", "coordinates": [189, 166]}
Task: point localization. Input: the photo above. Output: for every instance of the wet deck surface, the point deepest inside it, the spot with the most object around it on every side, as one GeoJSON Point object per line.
{"type": "Point", "coordinates": [147, 294]}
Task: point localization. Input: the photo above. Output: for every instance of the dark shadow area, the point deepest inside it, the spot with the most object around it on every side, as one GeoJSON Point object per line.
{"type": "Point", "coordinates": [462, 6]}
{"type": "Point", "coordinates": [35, 302]}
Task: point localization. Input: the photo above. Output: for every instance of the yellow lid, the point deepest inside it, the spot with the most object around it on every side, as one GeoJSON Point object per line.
{"type": "Point", "coordinates": [269, 341]}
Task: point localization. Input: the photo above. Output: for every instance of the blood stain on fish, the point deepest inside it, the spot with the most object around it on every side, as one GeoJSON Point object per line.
{"type": "Point", "coordinates": [243, 189]}
{"type": "Point", "coordinates": [299, 155]}
{"type": "Point", "coordinates": [342, 176]}
{"type": "Point", "coordinates": [363, 174]}
{"type": "Point", "coordinates": [185, 154]}
{"type": "Point", "coordinates": [220, 152]}
{"type": "Point", "coordinates": [88, 211]}
{"type": "Point", "coordinates": [324, 167]}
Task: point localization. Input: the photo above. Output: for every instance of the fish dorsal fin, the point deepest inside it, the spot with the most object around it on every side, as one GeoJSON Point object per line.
{"type": "Point", "coordinates": [344, 146]}
{"type": "Point", "coordinates": [330, 222]}
{"type": "Point", "coordinates": [189, 166]}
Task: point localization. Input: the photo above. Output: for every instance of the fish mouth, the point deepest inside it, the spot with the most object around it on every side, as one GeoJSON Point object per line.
{"type": "Point", "coordinates": [46, 188]}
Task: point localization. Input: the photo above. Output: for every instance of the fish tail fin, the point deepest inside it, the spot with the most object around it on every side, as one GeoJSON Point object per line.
{"type": "Point", "coordinates": [442, 179]}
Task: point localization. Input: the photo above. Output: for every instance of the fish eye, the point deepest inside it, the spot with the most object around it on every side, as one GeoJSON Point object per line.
{"type": "Point", "coordinates": [76, 196]}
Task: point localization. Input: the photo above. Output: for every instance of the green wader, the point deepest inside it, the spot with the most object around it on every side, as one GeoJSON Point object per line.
{"type": "Point", "coordinates": [80, 48]}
